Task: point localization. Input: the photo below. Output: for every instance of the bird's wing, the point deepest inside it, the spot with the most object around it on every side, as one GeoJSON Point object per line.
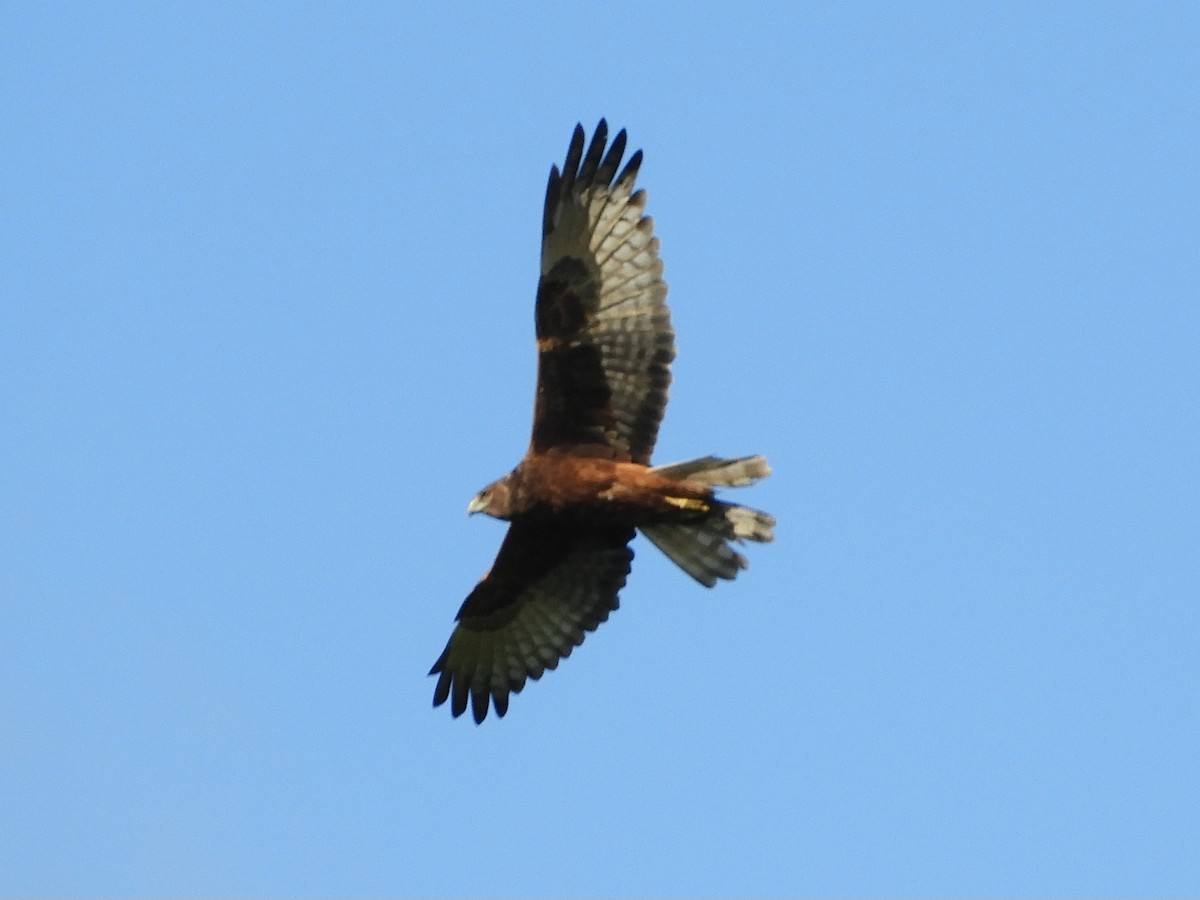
{"type": "Point", "coordinates": [604, 335]}
{"type": "Point", "coordinates": [546, 589]}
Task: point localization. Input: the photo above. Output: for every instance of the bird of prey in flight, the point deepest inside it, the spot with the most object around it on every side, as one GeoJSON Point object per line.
{"type": "Point", "coordinates": [605, 346]}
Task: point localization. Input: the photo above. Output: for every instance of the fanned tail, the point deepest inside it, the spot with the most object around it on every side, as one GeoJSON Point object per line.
{"type": "Point", "coordinates": [716, 472]}
{"type": "Point", "coordinates": [702, 548]}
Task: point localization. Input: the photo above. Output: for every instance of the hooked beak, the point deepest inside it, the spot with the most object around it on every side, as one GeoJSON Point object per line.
{"type": "Point", "coordinates": [477, 505]}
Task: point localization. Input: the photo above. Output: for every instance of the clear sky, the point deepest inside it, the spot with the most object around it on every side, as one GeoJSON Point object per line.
{"type": "Point", "coordinates": [266, 324]}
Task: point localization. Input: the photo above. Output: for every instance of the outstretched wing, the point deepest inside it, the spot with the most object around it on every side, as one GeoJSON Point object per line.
{"type": "Point", "coordinates": [604, 335]}
{"type": "Point", "coordinates": [547, 588]}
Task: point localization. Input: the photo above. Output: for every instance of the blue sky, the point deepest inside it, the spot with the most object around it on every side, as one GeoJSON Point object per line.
{"type": "Point", "coordinates": [266, 286]}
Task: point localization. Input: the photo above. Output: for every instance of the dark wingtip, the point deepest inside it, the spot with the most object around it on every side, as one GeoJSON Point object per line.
{"type": "Point", "coordinates": [631, 168]}
{"type": "Point", "coordinates": [552, 195]}
{"type": "Point", "coordinates": [591, 162]}
{"type": "Point", "coordinates": [442, 691]}
{"type": "Point", "coordinates": [440, 664]}
{"type": "Point", "coordinates": [458, 698]}
{"type": "Point", "coordinates": [574, 155]}
{"type": "Point", "coordinates": [479, 706]}
{"type": "Point", "coordinates": [612, 160]}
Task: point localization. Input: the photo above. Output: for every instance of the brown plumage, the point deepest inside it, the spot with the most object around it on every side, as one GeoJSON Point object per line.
{"type": "Point", "coordinates": [605, 347]}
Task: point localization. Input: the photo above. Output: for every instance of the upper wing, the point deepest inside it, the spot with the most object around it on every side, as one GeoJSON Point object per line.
{"type": "Point", "coordinates": [604, 335]}
{"type": "Point", "coordinates": [547, 588]}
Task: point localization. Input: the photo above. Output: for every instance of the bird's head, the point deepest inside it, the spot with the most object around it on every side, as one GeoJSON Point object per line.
{"type": "Point", "coordinates": [493, 500]}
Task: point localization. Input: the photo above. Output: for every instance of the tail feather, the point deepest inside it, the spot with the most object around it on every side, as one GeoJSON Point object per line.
{"type": "Point", "coordinates": [701, 548]}
{"type": "Point", "coordinates": [698, 550]}
{"type": "Point", "coordinates": [750, 524]}
{"type": "Point", "coordinates": [716, 472]}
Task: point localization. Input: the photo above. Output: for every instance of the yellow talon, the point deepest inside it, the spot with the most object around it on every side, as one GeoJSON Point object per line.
{"type": "Point", "coordinates": [688, 503]}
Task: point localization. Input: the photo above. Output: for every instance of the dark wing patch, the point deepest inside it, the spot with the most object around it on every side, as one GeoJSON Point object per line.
{"type": "Point", "coordinates": [546, 590]}
{"type": "Point", "coordinates": [604, 335]}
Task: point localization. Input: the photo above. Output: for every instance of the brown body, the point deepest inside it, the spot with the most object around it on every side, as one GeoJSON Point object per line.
{"type": "Point", "coordinates": [605, 347]}
{"type": "Point", "coordinates": [557, 484]}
